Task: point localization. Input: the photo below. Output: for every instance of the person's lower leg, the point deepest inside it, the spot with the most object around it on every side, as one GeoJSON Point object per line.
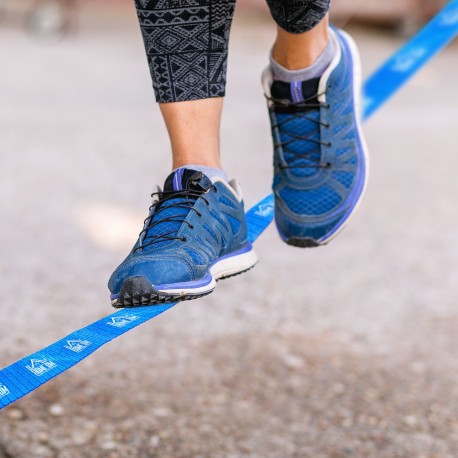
{"type": "Point", "coordinates": [187, 44]}
{"type": "Point", "coordinates": [194, 128]}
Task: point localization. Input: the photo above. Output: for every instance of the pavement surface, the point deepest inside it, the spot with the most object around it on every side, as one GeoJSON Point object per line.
{"type": "Point", "coordinates": [343, 351]}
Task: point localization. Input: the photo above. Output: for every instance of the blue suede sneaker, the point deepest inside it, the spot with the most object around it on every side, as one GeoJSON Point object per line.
{"type": "Point", "coordinates": [195, 234]}
{"type": "Point", "coordinates": [320, 157]}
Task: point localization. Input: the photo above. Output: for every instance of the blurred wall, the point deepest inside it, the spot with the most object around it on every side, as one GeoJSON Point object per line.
{"type": "Point", "coordinates": [57, 17]}
{"type": "Point", "coordinates": [374, 10]}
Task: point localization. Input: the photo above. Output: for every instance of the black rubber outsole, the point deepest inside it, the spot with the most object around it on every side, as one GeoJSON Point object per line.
{"type": "Point", "coordinates": [303, 242]}
{"type": "Point", "coordinates": [137, 292]}
{"type": "Point", "coordinates": [155, 299]}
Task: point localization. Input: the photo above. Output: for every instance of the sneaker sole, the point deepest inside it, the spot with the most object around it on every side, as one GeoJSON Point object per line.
{"type": "Point", "coordinates": [138, 292]}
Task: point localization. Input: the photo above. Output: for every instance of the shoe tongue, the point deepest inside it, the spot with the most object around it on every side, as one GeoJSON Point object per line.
{"type": "Point", "coordinates": [186, 179]}
{"type": "Point", "coordinates": [302, 156]}
{"type": "Point", "coordinates": [174, 210]}
{"type": "Point", "coordinates": [297, 91]}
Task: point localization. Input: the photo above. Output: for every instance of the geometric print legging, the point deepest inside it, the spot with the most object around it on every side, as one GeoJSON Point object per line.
{"type": "Point", "coordinates": [186, 41]}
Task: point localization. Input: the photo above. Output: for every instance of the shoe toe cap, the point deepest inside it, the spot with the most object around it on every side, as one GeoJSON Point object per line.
{"type": "Point", "coordinates": [157, 271]}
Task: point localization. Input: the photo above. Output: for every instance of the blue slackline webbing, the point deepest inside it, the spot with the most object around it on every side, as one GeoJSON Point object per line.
{"type": "Point", "coordinates": [27, 374]}
{"type": "Point", "coordinates": [399, 68]}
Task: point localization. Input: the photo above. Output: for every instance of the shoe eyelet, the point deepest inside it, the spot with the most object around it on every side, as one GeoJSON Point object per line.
{"type": "Point", "coordinates": [328, 165]}
{"type": "Point", "coordinates": [329, 144]}
{"type": "Point", "coordinates": [199, 215]}
{"type": "Point", "coordinates": [191, 227]}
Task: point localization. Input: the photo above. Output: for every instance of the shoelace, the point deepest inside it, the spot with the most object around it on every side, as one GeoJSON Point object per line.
{"type": "Point", "coordinates": [184, 199]}
{"type": "Point", "coordinates": [285, 103]}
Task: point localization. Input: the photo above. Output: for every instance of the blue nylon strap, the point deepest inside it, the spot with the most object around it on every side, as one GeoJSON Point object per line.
{"type": "Point", "coordinates": [27, 374]}
{"type": "Point", "coordinates": [410, 58]}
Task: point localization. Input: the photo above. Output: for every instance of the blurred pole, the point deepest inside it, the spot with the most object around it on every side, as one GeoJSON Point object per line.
{"type": "Point", "coordinates": [42, 18]}
{"type": "Point", "coordinates": [50, 18]}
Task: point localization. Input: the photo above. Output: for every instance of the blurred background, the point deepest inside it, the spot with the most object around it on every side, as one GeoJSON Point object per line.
{"type": "Point", "coordinates": [58, 17]}
{"type": "Point", "coordinates": [343, 351]}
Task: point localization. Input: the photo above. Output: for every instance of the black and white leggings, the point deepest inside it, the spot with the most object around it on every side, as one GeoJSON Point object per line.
{"type": "Point", "coordinates": [186, 41]}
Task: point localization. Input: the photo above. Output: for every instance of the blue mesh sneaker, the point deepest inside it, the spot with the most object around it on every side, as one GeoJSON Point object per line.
{"type": "Point", "coordinates": [195, 234]}
{"type": "Point", "coordinates": [320, 158]}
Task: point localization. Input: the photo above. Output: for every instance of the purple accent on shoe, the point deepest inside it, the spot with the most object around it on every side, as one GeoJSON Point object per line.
{"type": "Point", "coordinates": [296, 91]}
{"type": "Point", "coordinates": [356, 192]}
{"type": "Point", "coordinates": [188, 284]}
{"type": "Point", "coordinates": [207, 279]}
{"type": "Point", "coordinates": [243, 250]}
{"type": "Point", "coordinates": [177, 180]}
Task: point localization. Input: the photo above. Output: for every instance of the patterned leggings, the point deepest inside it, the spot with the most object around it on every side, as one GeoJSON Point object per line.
{"type": "Point", "coordinates": [186, 41]}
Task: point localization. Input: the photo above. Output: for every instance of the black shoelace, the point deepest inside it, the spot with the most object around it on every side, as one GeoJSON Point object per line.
{"type": "Point", "coordinates": [297, 112]}
{"type": "Point", "coordinates": [184, 199]}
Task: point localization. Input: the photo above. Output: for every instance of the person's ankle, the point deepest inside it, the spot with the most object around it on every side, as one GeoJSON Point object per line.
{"type": "Point", "coordinates": [297, 51]}
{"type": "Point", "coordinates": [298, 60]}
{"type": "Point", "coordinates": [314, 70]}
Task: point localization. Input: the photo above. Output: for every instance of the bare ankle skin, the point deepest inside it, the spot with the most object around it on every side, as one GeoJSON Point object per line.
{"type": "Point", "coordinates": [194, 131]}
{"type": "Point", "coordinates": [296, 51]}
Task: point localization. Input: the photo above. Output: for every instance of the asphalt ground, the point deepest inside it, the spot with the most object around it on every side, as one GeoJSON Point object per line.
{"type": "Point", "coordinates": [343, 351]}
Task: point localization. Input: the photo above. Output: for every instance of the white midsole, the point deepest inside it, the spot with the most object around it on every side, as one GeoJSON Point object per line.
{"type": "Point", "coordinates": [357, 92]}
{"type": "Point", "coordinates": [234, 265]}
{"type": "Point", "coordinates": [223, 268]}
